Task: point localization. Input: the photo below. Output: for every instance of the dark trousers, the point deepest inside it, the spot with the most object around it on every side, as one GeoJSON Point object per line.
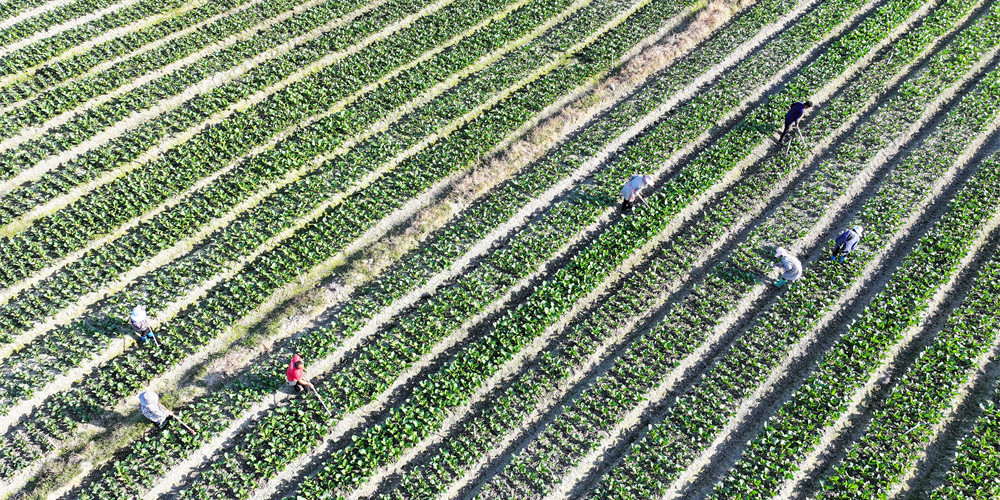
{"type": "Point", "coordinates": [164, 422]}
{"type": "Point", "coordinates": [788, 126]}
{"type": "Point", "coordinates": [838, 249]}
{"type": "Point", "coordinates": [627, 206]}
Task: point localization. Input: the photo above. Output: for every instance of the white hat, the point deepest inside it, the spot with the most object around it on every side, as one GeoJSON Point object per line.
{"type": "Point", "coordinates": [780, 251]}
{"type": "Point", "coordinates": [148, 398]}
{"type": "Point", "coordinates": [139, 313]}
{"type": "Point", "coordinates": [857, 229]}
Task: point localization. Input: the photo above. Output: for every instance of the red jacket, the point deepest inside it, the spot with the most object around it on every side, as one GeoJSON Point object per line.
{"type": "Point", "coordinates": [294, 374]}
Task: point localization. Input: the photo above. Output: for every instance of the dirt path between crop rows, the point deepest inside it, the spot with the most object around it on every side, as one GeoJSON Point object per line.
{"type": "Point", "coordinates": [824, 222]}
{"type": "Point", "coordinates": [65, 26]}
{"type": "Point", "coordinates": [605, 347]}
{"type": "Point", "coordinates": [33, 12]}
{"type": "Point", "coordinates": [852, 423]}
{"type": "Point", "coordinates": [561, 120]}
{"type": "Point", "coordinates": [167, 104]}
{"type": "Point", "coordinates": [104, 66]}
{"type": "Point", "coordinates": [717, 456]}
{"type": "Point", "coordinates": [87, 45]}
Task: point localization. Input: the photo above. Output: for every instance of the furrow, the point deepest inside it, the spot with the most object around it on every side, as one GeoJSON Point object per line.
{"type": "Point", "coordinates": [101, 43]}
{"type": "Point", "coordinates": [902, 360]}
{"type": "Point", "coordinates": [555, 85]}
{"type": "Point", "coordinates": [80, 38]}
{"type": "Point", "coordinates": [16, 91]}
{"type": "Point", "coordinates": [264, 214]}
{"type": "Point", "coordinates": [683, 267]}
{"type": "Point", "coordinates": [242, 69]}
{"type": "Point", "coordinates": [760, 341]}
{"type": "Point", "coordinates": [55, 21]}
{"type": "Point", "coordinates": [753, 458]}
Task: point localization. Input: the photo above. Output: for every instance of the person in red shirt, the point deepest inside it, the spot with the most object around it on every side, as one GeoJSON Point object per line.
{"type": "Point", "coordinates": [296, 374]}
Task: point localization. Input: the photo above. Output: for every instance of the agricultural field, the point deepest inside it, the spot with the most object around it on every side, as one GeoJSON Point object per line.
{"type": "Point", "coordinates": [421, 198]}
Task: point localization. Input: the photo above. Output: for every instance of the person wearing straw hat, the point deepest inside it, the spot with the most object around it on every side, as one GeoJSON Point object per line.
{"type": "Point", "coordinates": [140, 324]}
{"type": "Point", "coordinates": [149, 404]}
{"type": "Point", "coordinates": [846, 243]}
{"type": "Point", "coordinates": [791, 268]}
{"type": "Point", "coordinates": [630, 191]}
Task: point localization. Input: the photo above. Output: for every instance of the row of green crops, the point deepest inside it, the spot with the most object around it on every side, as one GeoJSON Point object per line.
{"type": "Point", "coordinates": [15, 7]}
{"type": "Point", "coordinates": [691, 424]}
{"type": "Point", "coordinates": [276, 214]}
{"type": "Point", "coordinates": [977, 458]}
{"type": "Point", "coordinates": [390, 361]}
{"type": "Point", "coordinates": [45, 20]}
{"type": "Point", "coordinates": [271, 271]}
{"type": "Point", "coordinates": [764, 462]}
{"type": "Point", "coordinates": [47, 48]}
{"type": "Point", "coordinates": [271, 69]}
{"type": "Point", "coordinates": [448, 244]}
{"type": "Point", "coordinates": [685, 328]}
{"type": "Point", "coordinates": [900, 428]}
{"type": "Point", "coordinates": [453, 383]}
{"type": "Point", "coordinates": [177, 169]}
{"type": "Point", "coordinates": [92, 270]}
{"type": "Point", "coordinates": [233, 242]}
{"type": "Point", "coordinates": [598, 410]}
{"type": "Point", "coordinates": [54, 72]}
{"type": "Point", "coordinates": [471, 298]}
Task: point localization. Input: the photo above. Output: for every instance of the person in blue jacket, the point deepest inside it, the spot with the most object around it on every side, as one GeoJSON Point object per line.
{"type": "Point", "coordinates": [846, 243]}
{"type": "Point", "coordinates": [793, 115]}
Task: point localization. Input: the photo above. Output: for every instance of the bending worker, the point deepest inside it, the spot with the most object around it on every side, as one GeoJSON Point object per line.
{"type": "Point", "coordinates": [296, 374]}
{"type": "Point", "coordinates": [846, 243]}
{"type": "Point", "coordinates": [793, 115]}
{"type": "Point", "coordinates": [631, 190]}
{"type": "Point", "coordinates": [149, 404]}
{"type": "Point", "coordinates": [790, 266]}
{"type": "Point", "coordinates": [140, 324]}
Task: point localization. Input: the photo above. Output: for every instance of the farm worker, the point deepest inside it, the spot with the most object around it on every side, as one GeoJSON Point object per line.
{"type": "Point", "coordinates": [631, 190]}
{"type": "Point", "coordinates": [792, 116]}
{"type": "Point", "coordinates": [790, 266]}
{"type": "Point", "coordinates": [296, 374]}
{"type": "Point", "coordinates": [846, 243]}
{"type": "Point", "coordinates": [140, 323]}
{"type": "Point", "coordinates": [151, 408]}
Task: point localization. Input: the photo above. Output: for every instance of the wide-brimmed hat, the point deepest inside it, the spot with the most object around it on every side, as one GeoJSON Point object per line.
{"type": "Point", "coordinates": [138, 313]}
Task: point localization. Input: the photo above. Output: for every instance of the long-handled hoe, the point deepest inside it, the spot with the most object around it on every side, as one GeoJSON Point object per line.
{"type": "Point", "coordinates": [321, 401]}
{"type": "Point", "coordinates": [186, 426]}
{"type": "Point", "coordinates": [803, 139]}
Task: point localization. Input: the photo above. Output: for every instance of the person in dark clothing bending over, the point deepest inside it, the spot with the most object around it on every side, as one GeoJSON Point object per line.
{"type": "Point", "coordinates": [846, 243]}
{"type": "Point", "coordinates": [793, 115]}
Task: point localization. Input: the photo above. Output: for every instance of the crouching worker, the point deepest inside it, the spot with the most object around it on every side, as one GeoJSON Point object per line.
{"type": "Point", "coordinates": [630, 191]}
{"type": "Point", "coordinates": [151, 408]}
{"type": "Point", "coordinates": [846, 243]}
{"type": "Point", "coordinates": [140, 324]}
{"type": "Point", "coordinates": [791, 268]}
{"type": "Point", "coordinates": [296, 374]}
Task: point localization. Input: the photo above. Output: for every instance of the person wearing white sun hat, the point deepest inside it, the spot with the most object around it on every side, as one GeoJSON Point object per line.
{"type": "Point", "coordinates": [790, 266]}
{"type": "Point", "coordinates": [140, 324]}
{"type": "Point", "coordinates": [630, 191]}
